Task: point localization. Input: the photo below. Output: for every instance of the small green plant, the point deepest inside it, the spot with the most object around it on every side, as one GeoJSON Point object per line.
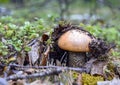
{"type": "Point", "coordinates": [20, 36]}
{"type": "Point", "coordinates": [115, 53]}
{"type": "Point", "coordinates": [110, 34]}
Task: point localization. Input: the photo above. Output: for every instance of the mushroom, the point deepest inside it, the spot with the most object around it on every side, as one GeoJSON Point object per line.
{"type": "Point", "coordinates": [74, 40]}
{"type": "Point", "coordinates": [77, 43]}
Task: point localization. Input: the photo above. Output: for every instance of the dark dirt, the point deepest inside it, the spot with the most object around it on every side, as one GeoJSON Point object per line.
{"type": "Point", "coordinates": [60, 29]}
{"type": "Point", "coordinates": [99, 48]}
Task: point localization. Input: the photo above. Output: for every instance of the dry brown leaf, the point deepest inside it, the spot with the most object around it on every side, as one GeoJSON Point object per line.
{"type": "Point", "coordinates": [21, 58]}
{"type": "Point", "coordinates": [30, 70]}
{"type": "Point", "coordinates": [79, 80]}
{"type": "Point", "coordinates": [97, 68]}
{"type": "Point", "coordinates": [45, 56]}
{"type": "Point", "coordinates": [45, 37]}
{"type": "Point", "coordinates": [112, 82]}
{"type": "Point", "coordinates": [18, 82]}
{"type": "Point", "coordinates": [34, 53]}
{"type": "Point", "coordinates": [39, 82]}
{"type": "Point", "coordinates": [11, 82]}
{"type": "Point", "coordinates": [58, 63]}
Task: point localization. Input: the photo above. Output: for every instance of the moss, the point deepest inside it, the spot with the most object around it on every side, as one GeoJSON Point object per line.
{"type": "Point", "coordinates": [109, 71]}
{"type": "Point", "coordinates": [88, 79]}
{"type": "Point", "coordinates": [111, 66]}
{"type": "Point", "coordinates": [75, 75]}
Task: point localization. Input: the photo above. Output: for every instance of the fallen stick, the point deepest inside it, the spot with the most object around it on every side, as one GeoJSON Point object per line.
{"type": "Point", "coordinates": [45, 67]}
{"type": "Point", "coordinates": [43, 74]}
{"type": "Point", "coordinates": [35, 75]}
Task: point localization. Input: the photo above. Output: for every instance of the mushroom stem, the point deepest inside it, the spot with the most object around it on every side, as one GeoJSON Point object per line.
{"type": "Point", "coordinates": [76, 59]}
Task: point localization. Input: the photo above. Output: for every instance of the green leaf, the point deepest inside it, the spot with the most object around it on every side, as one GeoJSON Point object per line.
{"type": "Point", "coordinates": [14, 38]}
{"type": "Point", "coordinates": [4, 53]}
{"type": "Point", "coordinates": [33, 35]}
{"type": "Point", "coordinates": [27, 48]}
{"type": "Point", "coordinates": [9, 32]}
{"type": "Point", "coordinates": [27, 23]}
{"type": "Point", "coordinates": [4, 1]}
{"type": "Point", "coordinates": [18, 49]}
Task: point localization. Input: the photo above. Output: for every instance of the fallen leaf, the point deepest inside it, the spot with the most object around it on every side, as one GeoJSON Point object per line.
{"type": "Point", "coordinates": [97, 68]}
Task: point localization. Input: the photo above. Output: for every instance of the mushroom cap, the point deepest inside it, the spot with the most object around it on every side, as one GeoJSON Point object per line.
{"type": "Point", "coordinates": [74, 40]}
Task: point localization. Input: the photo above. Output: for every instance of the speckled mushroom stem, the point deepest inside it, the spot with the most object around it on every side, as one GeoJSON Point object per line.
{"type": "Point", "coordinates": [76, 59]}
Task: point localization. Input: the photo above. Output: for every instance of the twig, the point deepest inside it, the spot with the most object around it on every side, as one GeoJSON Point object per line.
{"type": "Point", "coordinates": [35, 75]}
{"type": "Point", "coordinates": [45, 67]}
{"type": "Point", "coordinates": [63, 56]}
{"type": "Point", "coordinates": [56, 70]}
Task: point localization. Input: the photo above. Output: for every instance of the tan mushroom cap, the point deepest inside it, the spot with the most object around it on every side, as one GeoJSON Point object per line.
{"type": "Point", "coordinates": [74, 40]}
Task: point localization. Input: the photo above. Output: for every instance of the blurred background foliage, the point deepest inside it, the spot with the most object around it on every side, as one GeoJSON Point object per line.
{"type": "Point", "coordinates": [100, 17]}
{"type": "Point", "coordinates": [69, 9]}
